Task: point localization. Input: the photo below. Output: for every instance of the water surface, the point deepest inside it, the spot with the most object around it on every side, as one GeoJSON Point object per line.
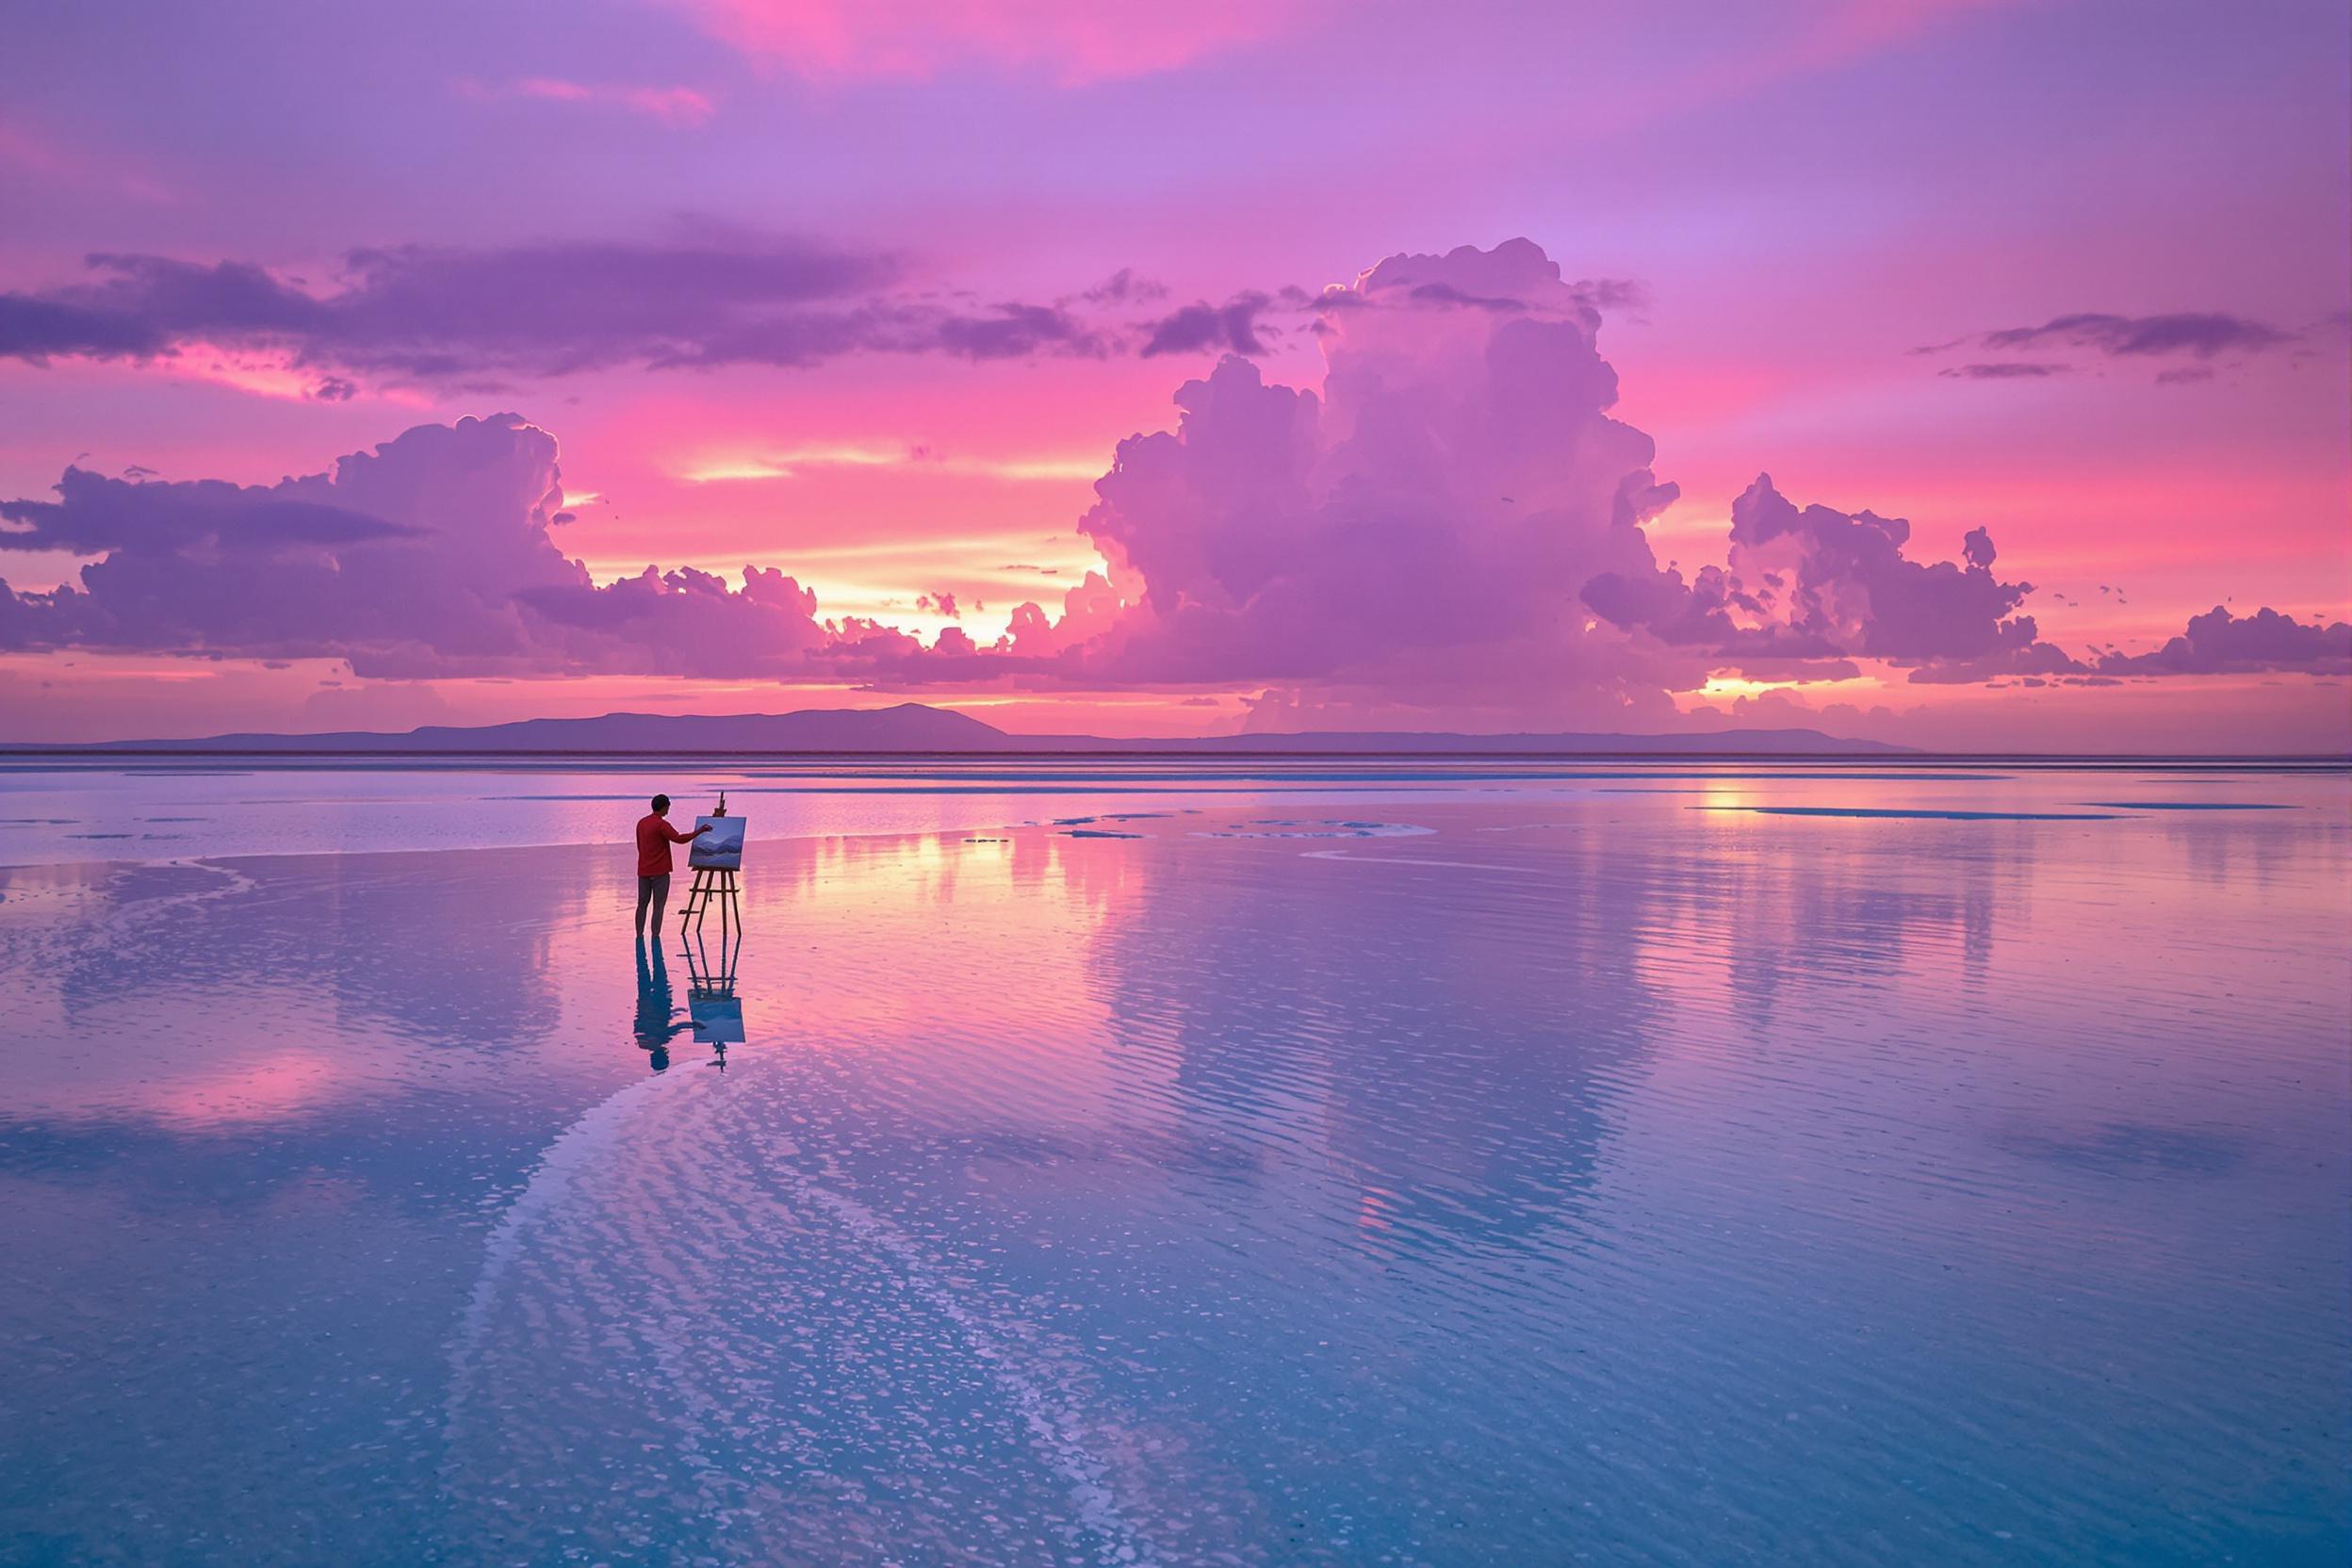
{"type": "Point", "coordinates": [1113, 1163]}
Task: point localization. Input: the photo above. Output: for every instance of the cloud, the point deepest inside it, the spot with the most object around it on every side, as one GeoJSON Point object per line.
{"type": "Point", "coordinates": [2203, 333]}
{"type": "Point", "coordinates": [443, 312]}
{"type": "Point", "coordinates": [2005, 370]}
{"type": "Point", "coordinates": [2217, 642]}
{"type": "Point", "coordinates": [2199, 335]}
{"type": "Point", "coordinates": [429, 556]}
{"type": "Point", "coordinates": [1608, 294]}
{"type": "Point", "coordinates": [1454, 524]}
{"type": "Point", "coordinates": [1821, 583]}
{"type": "Point", "coordinates": [1123, 286]}
{"type": "Point", "coordinates": [1418, 532]}
{"type": "Point", "coordinates": [1231, 326]}
{"type": "Point", "coordinates": [1014, 331]}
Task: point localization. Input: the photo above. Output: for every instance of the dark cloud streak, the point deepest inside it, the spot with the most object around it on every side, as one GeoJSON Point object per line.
{"type": "Point", "coordinates": [442, 314]}
{"type": "Point", "coordinates": [1231, 328]}
{"type": "Point", "coordinates": [2203, 333]}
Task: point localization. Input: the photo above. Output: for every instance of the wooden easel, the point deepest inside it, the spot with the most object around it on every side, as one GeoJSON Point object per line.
{"type": "Point", "coordinates": [712, 887]}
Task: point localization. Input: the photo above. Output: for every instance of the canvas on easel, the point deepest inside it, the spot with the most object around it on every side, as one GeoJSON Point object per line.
{"type": "Point", "coordinates": [721, 848]}
{"type": "Point", "coordinates": [715, 857]}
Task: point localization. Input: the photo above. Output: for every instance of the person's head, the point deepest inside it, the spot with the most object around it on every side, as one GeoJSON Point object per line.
{"type": "Point", "coordinates": [661, 805]}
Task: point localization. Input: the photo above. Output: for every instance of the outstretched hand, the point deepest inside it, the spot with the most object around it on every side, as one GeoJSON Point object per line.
{"type": "Point", "coordinates": [701, 830]}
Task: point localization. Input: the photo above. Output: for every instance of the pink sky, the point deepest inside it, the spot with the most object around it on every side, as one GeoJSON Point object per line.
{"type": "Point", "coordinates": [868, 298]}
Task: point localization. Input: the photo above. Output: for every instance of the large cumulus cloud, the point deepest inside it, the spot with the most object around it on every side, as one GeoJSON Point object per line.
{"type": "Point", "coordinates": [1422, 527]}
{"type": "Point", "coordinates": [432, 555]}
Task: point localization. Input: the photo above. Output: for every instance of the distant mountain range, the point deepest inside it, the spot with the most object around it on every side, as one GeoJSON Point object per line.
{"type": "Point", "coordinates": [911, 726]}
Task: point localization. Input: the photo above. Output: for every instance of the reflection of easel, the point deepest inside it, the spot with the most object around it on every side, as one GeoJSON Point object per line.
{"type": "Point", "coordinates": [705, 979]}
{"type": "Point", "coordinates": [715, 1011]}
{"type": "Point", "coordinates": [713, 885]}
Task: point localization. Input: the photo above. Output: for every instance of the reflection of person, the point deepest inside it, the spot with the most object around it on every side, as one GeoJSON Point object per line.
{"type": "Point", "coordinates": [654, 838]}
{"type": "Point", "coordinates": [655, 1027]}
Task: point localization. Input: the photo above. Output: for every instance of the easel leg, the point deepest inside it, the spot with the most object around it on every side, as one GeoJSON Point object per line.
{"type": "Point", "coordinates": [697, 903]}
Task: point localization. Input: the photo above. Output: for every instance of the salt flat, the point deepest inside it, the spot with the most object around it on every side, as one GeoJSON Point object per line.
{"type": "Point", "coordinates": [1359, 1164]}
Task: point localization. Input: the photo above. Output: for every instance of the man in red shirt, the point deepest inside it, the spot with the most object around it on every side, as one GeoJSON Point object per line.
{"type": "Point", "coordinates": [654, 838]}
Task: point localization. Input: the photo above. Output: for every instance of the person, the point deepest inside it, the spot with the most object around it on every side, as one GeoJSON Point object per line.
{"type": "Point", "coordinates": [654, 838]}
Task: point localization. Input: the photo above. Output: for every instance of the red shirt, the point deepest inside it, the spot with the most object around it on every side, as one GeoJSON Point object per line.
{"type": "Point", "coordinates": [654, 839]}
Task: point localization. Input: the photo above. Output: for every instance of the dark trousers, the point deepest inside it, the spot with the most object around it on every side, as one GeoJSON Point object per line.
{"type": "Point", "coordinates": [656, 892]}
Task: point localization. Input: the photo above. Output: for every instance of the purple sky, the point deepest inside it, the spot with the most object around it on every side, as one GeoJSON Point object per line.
{"type": "Point", "coordinates": [2034, 315]}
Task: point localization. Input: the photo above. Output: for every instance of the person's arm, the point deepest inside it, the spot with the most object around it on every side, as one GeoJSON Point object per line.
{"type": "Point", "coordinates": [677, 837]}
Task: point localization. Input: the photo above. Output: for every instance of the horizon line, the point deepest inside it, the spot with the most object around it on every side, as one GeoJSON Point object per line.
{"type": "Point", "coordinates": [10, 750]}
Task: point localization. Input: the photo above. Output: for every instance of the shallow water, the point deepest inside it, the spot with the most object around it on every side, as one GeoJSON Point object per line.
{"type": "Point", "coordinates": [1349, 1164]}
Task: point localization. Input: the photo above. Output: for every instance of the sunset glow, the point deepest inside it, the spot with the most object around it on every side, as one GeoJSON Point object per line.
{"type": "Point", "coordinates": [870, 301]}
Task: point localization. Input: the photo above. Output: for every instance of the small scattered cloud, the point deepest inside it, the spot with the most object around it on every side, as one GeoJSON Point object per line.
{"type": "Point", "coordinates": [1611, 294]}
{"type": "Point", "coordinates": [2199, 336]}
{"type": "Point", "coordinates": [1014, 331]}
{"type": "Point", "coordinates": [1230, 328]}
{"type": "Point", "coordinates": [2005, 370]}
{"type": "Point", "coordinates": [1125, 287]}
{"type": "Point", "coordinates": [2204, 334]}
